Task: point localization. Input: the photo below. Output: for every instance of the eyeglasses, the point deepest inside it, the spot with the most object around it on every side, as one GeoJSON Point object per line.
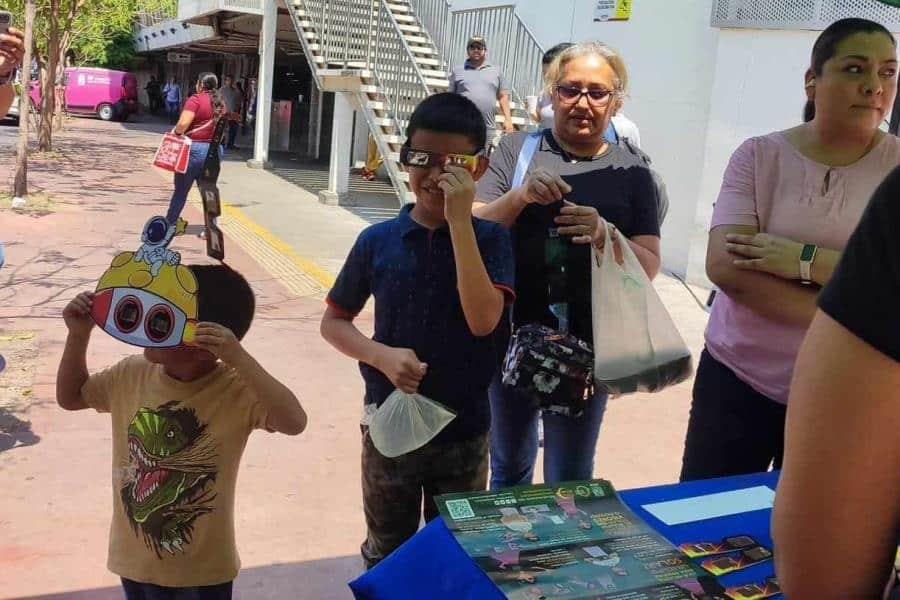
{"type": "Point", "coordinates": [474, 47]}
{"type": "Point", "coordinates": [596, 97]}
{"type": "Point", "coordinates": [423, 159]}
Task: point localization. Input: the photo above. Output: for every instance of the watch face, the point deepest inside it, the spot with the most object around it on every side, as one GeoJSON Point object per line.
{"type": "Point", "coordinates": [809, 251]}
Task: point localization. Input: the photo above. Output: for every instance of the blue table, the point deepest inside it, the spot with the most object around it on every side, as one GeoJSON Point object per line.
{"type": "Point", "coordinates": [433, 566]}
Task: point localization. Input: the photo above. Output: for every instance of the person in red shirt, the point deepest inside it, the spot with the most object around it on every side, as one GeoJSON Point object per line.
{"type": "Point", "coordinates": [197, 121]}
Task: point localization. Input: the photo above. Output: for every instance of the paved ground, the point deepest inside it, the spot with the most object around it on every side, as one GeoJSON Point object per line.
{"type": "Point", "coordinates": [298, 504]}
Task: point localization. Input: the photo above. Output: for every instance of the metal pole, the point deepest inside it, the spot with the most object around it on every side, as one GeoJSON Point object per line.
{"type": "Point", "coordinates": [264, 85]}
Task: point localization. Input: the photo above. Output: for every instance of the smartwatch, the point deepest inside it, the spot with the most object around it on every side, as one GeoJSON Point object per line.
{"type": "Point", "coordinates": [807, 256]}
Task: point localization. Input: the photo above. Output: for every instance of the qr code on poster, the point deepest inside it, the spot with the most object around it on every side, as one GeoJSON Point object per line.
{"type": "Point", "coordinates": [460, 509]}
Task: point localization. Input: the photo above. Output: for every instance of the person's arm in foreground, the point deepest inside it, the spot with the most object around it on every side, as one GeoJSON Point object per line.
{"type": "Point", "coordinates": [12, 49]}
{"type": "Point", "coordinates": [837, 512]}
{"type": "Point", "coordinates": [284, 413]}
{"type": "Point", "coordinates": [7, 95]}
{"type": "Point", "coordinates": [72, 373]}
{"type": "Point", "coordinates": [482, 302]}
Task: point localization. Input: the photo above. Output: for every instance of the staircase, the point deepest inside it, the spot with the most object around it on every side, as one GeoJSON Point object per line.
{"type": "Point", "coordinates": [377, 53]}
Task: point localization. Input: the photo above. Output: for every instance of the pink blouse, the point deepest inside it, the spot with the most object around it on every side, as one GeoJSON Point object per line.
{"type": "Point", "coordinates": [768, 184]}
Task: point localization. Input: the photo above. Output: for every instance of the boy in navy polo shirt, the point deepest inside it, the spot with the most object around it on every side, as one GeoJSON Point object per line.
{"type": "Point", "coordinates": [441, 279]}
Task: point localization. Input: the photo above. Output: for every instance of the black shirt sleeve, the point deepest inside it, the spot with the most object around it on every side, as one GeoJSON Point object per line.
{"type": "Point", "coordinates": [864, 293]}
{"type": "Point", "coordinates": [644, 203]}
{"type": "Point", "coordinates": [497, 180]}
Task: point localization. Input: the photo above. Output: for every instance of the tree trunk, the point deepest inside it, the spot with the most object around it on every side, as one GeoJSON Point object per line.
{"type": "Point", "coordinates": [59, 120]}
{"type": "Point", "coordinates": [20, 184]}
{"type": "Point", "coordinates": [48, 86]}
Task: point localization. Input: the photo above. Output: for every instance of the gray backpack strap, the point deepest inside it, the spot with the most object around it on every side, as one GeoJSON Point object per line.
{"type": "Point", "coordinates": [525, 155]}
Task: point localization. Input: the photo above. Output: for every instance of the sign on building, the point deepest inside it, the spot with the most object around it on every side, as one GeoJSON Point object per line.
{"type": "Point", "coordinates": [178, 57]}
{"type": "Point", "coordinates": [612, 10]}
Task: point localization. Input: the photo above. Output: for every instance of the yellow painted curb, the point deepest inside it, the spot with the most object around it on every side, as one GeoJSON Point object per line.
{"type": "Point", "coordinates": [300, 275]}
{"type": "Point", "coordinates": [321, 276]}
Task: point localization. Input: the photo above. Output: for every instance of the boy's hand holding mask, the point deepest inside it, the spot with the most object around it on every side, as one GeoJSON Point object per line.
{"type": "Point", "coordinates": [220, 341]}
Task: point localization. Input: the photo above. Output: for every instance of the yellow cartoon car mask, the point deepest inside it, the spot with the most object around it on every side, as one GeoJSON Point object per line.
{"type": "Point", "coordinates": [147, 298]}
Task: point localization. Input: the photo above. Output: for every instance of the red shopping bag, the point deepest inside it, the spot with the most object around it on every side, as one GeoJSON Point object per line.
{"type": "Point", "coordinates": [174, 153]}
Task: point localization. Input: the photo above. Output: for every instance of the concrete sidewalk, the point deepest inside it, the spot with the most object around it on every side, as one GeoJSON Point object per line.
{"type": "Point", "coordinates": [299, 512]}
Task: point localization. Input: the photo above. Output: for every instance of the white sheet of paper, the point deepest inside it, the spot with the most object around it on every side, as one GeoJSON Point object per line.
{"type": "Point", "coordinates": [699, 508]}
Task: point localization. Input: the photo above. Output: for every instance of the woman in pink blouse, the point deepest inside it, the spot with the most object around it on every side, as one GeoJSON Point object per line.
{"type": "Point", "coordinates": [788, 204]}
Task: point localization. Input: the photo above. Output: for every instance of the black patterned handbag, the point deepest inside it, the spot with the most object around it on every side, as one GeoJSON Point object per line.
{"type": "Point", "coordinates": [555, 369]}
{"type": "Point", "coordinates": [552, 366]}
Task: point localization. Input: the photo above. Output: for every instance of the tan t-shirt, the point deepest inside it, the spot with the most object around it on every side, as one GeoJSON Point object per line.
{"type": "Point", "coordinates": [176, 450]}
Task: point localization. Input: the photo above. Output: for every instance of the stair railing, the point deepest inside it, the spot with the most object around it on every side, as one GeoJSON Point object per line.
{"type": "Point", "coordinates": [364, 35]}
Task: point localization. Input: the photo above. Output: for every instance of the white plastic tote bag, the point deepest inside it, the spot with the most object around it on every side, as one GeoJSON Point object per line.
{"type": "Point", "coordinates": [637, 347]}
{"type": "Point", "coordinates": [406, 422]}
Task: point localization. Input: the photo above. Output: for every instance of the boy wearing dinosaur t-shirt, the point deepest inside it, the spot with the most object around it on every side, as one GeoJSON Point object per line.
{"type": "Point", "coordinates": [181, 418]}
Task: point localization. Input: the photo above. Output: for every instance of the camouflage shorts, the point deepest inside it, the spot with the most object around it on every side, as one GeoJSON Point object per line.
{"type": "Point", "coordinates": [394, 488]}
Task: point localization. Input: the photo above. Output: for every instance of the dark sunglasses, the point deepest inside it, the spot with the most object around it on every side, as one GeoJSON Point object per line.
{"type": "Point", "coordinates": [596, 96]}
{"type": "Point", "coordinates": [410, 157]}
{"type": "Point", "coordinates": [475, 47]}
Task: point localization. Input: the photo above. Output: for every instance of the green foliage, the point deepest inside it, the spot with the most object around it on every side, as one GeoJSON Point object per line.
{"type": "Point", "coordinates": [99, 34]}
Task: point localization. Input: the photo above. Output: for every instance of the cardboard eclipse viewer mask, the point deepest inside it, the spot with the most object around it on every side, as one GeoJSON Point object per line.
{"type": "Point", "coordinates": [147, 298]}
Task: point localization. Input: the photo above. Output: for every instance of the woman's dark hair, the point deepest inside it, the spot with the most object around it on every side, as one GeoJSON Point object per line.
{"type": "Point", "coordinates": [224, 297]}
{"type": "Point", "coordinates": [209, 83]}
{"type": "Point", "coordinates": [553, 52]}
{"type": "Point", "coordinates": [827, 43]}
{"type": "Point", "coordinates": [449, 113]}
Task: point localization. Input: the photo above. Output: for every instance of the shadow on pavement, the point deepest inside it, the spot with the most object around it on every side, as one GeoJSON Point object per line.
{"type": "Point", "coordinates": [324, 579]}
{"type": "Point", "coordinates": [14, 432]}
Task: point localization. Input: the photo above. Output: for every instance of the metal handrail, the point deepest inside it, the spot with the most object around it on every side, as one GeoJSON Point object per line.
{"type": "Point", "coordinates": [364, 35]}
{"type": "Point", "coordinates": [435, 17]}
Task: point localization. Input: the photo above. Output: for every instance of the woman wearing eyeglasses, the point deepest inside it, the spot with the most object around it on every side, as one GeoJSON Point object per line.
{"type": "Point", "coordinates": [789, 202]}
{"type": "Point", "coordinates": [570, 180]}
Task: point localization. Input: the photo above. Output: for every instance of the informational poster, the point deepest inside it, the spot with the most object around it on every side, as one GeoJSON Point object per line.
{"type": "Point", "coordinates": [612, 10]}
{"type": "Point", "coordinates": [570, 540]}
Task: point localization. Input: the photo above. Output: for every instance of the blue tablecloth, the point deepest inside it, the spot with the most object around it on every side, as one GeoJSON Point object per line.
{"type": "Point", "coordinates": [433, 566]}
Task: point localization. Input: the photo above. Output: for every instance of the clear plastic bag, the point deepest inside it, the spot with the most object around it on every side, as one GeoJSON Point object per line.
{"type": "Point", "coordinates": [637, 347]}
{"type": "Point", "coordinates": [406, 422]}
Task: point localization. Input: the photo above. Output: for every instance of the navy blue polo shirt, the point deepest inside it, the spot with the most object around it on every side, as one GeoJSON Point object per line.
{"type": "Point", "coordinates": [411, 272]}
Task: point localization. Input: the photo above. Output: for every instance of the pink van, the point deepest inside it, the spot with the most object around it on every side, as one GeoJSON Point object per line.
{"type": "Point", "coordinates": [102, 92]}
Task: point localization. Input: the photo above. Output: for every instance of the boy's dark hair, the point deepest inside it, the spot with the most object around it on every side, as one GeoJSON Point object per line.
{"type": "Point", "coordinates": [555, 51]}
{"type": "Point", "coordinates": [224, 297]}
{"type": "Point", "coordinates": [449, 113]}
{"type": "Point", "coordinates": [827, 43]}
